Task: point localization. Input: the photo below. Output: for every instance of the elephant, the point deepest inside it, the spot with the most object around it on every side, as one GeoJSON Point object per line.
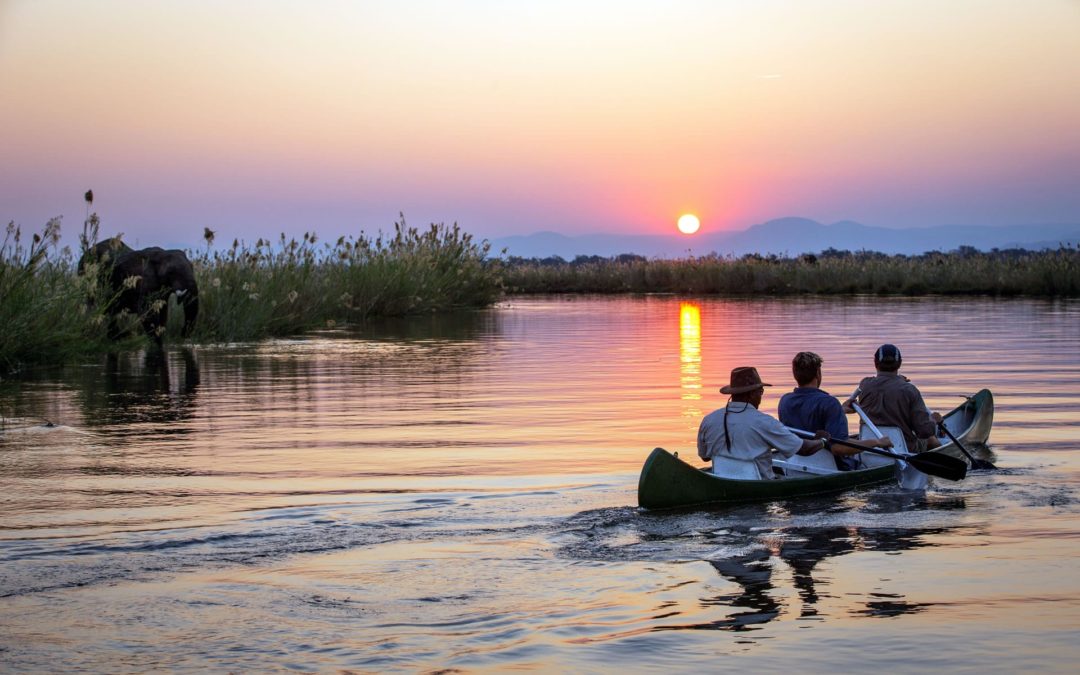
{"type": "Point", "coordinates": [157, 272]}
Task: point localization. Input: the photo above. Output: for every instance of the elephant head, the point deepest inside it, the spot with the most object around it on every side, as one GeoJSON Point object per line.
{"type": "Point", "coordinates": [104, 253]}
{"type": "Point", "coordinates": [140, 278]}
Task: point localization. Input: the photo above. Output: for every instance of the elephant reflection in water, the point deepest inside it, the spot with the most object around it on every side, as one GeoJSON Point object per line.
{"type": "Point", "coordinates": [154, 389]}
{"type": "Point", "coordinates": [142, 281]}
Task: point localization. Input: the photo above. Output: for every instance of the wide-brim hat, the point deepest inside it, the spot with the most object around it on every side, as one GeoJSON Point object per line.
{"type": "Point", "coordinates": [744, 379]}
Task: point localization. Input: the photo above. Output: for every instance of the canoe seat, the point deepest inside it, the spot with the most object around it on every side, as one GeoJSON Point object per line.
{"type": "Point", "coordinates": [908, 476]}
{"type": "Point", "coordinates": [899, 445]}
{"type": "Point", "coordinates": [821, 463]}
{"type": "Point", "coordinates": [729, 467]}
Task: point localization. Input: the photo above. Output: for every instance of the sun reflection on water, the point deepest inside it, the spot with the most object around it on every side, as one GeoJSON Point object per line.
{"type": "Point", "coordinates": [690, 357]}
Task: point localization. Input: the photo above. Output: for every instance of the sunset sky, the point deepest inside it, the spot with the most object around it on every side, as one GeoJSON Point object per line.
{"type": "Point", "coordinates": [254, 118]}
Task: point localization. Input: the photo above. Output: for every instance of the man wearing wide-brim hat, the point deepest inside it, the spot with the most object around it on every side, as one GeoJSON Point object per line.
{"type": "Point", "coordinates": [741, 433]}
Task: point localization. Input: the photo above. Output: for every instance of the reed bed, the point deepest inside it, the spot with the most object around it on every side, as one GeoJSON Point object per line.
{"type": "Point", "coordinates": [1051, 273]}
{"type": "Point", "coordinates": [293, 286]}
{"type": "Point", "coordinates": [44, 314]}
{"type": "Point", "coordinates": [51, 314]}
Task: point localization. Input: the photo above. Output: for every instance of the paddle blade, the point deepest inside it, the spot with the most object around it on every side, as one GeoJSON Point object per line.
{"type": "Point", "coordinates": [976, 464]}
{"type": "Point", "coordinates": [942, 466]}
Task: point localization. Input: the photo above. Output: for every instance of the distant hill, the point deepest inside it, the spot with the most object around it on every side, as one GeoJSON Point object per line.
{"type": "Point", "coordinates": [793, 236]}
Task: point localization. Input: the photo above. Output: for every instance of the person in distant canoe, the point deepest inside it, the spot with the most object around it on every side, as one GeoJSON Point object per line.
{"type": "Point", "coordinates": [742, 432]}
{"type": "Point", "coordinates": [890, 399]}
{"type": "Point", "coordinates": [810, 407]}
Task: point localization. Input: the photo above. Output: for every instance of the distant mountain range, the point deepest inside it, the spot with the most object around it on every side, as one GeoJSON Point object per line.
{"type": "Point", "coordinates": [792, 236]}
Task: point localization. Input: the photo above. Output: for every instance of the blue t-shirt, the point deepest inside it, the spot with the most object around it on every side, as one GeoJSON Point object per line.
{"type": "Point", "coordinates": [813, 410]}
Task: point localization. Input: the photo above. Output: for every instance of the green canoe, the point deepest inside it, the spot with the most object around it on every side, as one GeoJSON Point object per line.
{"type": "Point", "coordinates": [668, 482]}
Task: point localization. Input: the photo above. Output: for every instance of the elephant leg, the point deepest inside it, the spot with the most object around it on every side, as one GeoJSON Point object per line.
{"type": "Point", "coordinates": [115, 333]}
{"type": "Point", "coordinates": [154, 324]}
{"type": "Point", "coordinates": [190, 300]}
{"type": "Point", "coordinates": [153, 320]}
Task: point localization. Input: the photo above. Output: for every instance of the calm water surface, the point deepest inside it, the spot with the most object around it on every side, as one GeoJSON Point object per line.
{"type": "Point", "coordinates": [460, 493]}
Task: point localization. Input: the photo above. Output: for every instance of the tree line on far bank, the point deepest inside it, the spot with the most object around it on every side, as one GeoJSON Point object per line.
{"type": "Point", "coordinates": [964, 271]}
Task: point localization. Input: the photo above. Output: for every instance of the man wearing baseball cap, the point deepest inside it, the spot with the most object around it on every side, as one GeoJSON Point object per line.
{"type": "Point", "coordinates": [740, 431]}
{"type": "Point", "coordinates": [890, 399]}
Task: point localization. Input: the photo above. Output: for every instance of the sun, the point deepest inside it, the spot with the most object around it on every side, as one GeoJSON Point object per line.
{"type": "Point", "coordinates": [689, 223]}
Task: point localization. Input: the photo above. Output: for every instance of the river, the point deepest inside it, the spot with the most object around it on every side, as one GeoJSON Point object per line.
{"type": "Point", "coordinates": [459, 493]}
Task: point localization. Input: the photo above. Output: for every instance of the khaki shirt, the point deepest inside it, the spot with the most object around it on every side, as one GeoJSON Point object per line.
{"type": "Point", "coordinates": [889, 399]}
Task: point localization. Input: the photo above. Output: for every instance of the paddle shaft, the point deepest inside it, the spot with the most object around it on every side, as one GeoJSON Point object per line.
{"type": "Point", "coordinates": [851, 444]}
{"type": "Point", "coordinates": [942, 466]}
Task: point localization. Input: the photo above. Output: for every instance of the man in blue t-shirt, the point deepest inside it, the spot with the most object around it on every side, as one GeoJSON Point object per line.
{"type": "Point", "coordinates": [813, 409]}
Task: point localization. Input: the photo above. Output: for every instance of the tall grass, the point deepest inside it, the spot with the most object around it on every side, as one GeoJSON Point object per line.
{"type": "Point", "coordinates": [245, 292]}
{"type": "Point", "coordinates": [295, 285]}
{"type": "Point", "coordinates": [1052, 273]}
{"type": "Point", "coordinates": [44, 314]}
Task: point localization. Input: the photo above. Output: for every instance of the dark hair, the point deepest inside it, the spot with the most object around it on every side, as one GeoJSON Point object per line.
{"type": "Point", "coordinates": [805, 367]}
{"type": "Point", "coordinates": [746, 396]}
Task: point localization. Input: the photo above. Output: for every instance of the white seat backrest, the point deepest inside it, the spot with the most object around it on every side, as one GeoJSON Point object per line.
{"type": "Point", "coordinates": [894, 434]}
{"type": "Point", "coordinates": [908, 476]}
{"type": "Point", "coordinates": [729, 467]}
{"type": "Point", "coordinates": [822, 459]}
{"type": "Point", "coordinates": [821, 463]}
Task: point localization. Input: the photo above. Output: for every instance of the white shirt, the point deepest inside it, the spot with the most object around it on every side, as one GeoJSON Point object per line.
{"type": "Point", "coordinates": [753, 436]}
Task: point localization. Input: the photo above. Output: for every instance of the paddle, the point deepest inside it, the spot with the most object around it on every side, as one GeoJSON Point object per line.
{"type": "Point", "coordinates": [977, 464]}
{"type": "Point", "coordinates": [942, 466]}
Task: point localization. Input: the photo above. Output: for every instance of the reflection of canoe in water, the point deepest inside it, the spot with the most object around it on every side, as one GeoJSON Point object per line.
{"type": "Point", "coordinates": [667, 482]}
